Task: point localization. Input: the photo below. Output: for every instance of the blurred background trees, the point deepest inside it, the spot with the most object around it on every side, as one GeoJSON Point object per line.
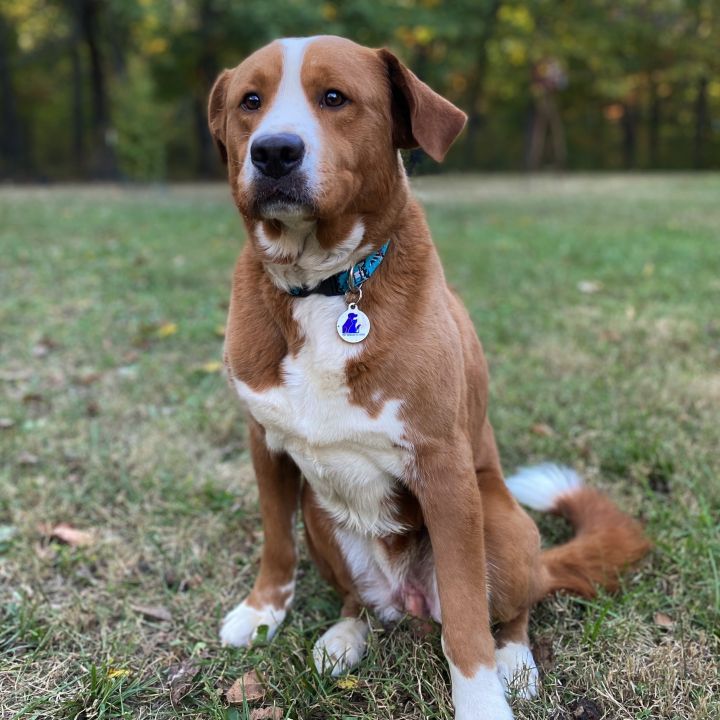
{"type": "Point", "coordinates": [116, 89]}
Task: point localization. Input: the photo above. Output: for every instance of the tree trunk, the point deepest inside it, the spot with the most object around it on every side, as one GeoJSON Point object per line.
{"type": "Point", "coordinates": [207, 69]}
{"type": "Point", "coordinates": [11, 148]}
{"type": "Point", "coordinates": [702, 123]}
{"type": "Point", "coordinates": [476, 87]}
{"type": "Point", "coordinates": [78, 113]}
{"type": "Point", "coordinates": [629, 127]}
{"type": "Point", "coordinates": [104, 164]}
{"type": "Point", "coordinates": [654, 130]}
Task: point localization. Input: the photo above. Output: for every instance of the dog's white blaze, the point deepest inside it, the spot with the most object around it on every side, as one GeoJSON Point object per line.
{"type": "Point", "coordinates": [479, 697]}
{"type": "Point", "coordinates": [350, 458]}
{"type": "Point", "coordinates": [517, 670]}
{"type": "Point", "coordinates": [291, 112]}
{"type": "Point", "coordinates": [312, 263]}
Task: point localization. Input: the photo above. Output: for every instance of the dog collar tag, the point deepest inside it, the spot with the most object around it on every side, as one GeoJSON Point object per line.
{"type": "Point", "coordinates": [353, 325]}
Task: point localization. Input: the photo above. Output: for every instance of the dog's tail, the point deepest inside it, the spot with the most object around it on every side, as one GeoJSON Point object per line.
{"type": "Point", "coordinates": [606, 541]}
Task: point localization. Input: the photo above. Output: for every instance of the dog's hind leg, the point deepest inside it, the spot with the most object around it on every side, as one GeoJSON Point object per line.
{"type": "Point", "coordinates": [515, 663]}
{"type": "Point", "coordinates": [343, 645]}
{"type": "Point", "coordinates": [266, 606]}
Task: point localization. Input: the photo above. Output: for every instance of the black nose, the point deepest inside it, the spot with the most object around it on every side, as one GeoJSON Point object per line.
{"type": "Point", "coordinates": [278, 154]}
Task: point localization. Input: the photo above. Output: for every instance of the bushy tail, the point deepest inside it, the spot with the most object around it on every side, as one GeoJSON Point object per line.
{"type": "Point", "coordinates": [606, 541]}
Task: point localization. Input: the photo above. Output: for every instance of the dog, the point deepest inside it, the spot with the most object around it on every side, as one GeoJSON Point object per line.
{"type": "Point", "coordinates": [383, 441]}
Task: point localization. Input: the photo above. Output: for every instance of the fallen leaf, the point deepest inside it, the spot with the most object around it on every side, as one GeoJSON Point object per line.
{"type": "Point", "coordinates": [349, 682]}
{"type": "Point", "coordinates": [27, 458]}
{"type": "Point", "coordinates": [220, 330]}
{"type": "Point", "coordinates": [43, 347]}
{"type": "Point", "coordinates": [544, 654]}
{"type": "Point", "coordinates": [247, 688]}
{"type": "Point", "coordinates": [153, 612]}
{"type": "Point", "coordinates": [542, 429]}
{"type": "Point", "coordinates": [648, 269]}
{"type": "Point", "coordinates": [611, 336]}
{"type": "Point", "coordinates": [6, 423]}
{"type": "Point", "coordinates": [664, 621]}
{"type": "Point", "coordinates": [586, 710]}
{"type": "Point", "coordinates": [166, 329]}
{"type": "Point", "coordinates": [15, 375]}
{"type": "Point", "coordinates": [268, 713]}
{"type": "Point", "coordinates": [67, 534]}
{"type": "Point", "coordinates": [92, 409]}
{"type": "Point", "coordinates": [589, 287]}
{"type": "Point", "coordinates": [88, 377]}
{"type": "Point", "coordinates": [180, 679]}
{"type": "Point", "coordinates": [117, 672]}
{"type": "Point", "coordinates": [212, 366]}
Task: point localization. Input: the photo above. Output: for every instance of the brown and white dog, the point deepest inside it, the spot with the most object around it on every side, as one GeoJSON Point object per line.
{"type": "Point", "coordinates": [386, 443]}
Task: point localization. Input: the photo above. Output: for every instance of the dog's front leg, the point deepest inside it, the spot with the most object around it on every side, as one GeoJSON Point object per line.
{"type": "Point", "coordinates": [452, 506]}
{"type": "Point", "coordinates": [278, 481]}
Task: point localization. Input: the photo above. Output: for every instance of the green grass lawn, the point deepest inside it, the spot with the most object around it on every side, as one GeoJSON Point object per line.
{"type": "Point", "coordinates": [597, 301]}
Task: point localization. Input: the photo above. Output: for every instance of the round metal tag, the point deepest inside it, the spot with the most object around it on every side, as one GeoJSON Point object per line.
{"type": "Point", "coordinates": [353, 325]}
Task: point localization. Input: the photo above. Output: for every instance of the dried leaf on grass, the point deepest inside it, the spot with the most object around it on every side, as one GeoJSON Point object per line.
{"type": "Point", "coordinates": [246, 689]}
{"type": "Point", "coordinates": [542, 429]}
{"type": "Point", "coordinates": [586, 710]}
{"type": "Point", "coordinates": [27, 458]}
{"type": "Point", "coordinates": [589, 287]}
{"type": "Point", "coordinates": [166, 329]}
{"type": "Point", "coordinates": [66, 533]}
{"type": "Point", "coordinates": [664, 621]}
{"type": "Point", "coordinates": [267, 713]}
{"type": "Point", "coordinates": [153, 612]}
{"type": "Point", "coordinates": [180, 679]}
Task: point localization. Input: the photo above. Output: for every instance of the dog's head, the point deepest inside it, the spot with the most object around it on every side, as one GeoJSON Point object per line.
{"type": "Point", "coordinates": [310, 127]}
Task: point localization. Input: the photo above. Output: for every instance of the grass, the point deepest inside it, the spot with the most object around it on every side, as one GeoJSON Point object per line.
{"type": "Point", "coordinates": [117, 421]}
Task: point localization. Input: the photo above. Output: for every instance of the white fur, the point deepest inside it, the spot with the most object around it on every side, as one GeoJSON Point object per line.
{"type": "Point", "coordinates": [380, 581]}
{"type": "Point", "coordinates": [310, 262]}
{"type": "Point", "coordinates": [341, 647]}
{"type": "Point", "coordinates": [350, 458]}
{"type": "Point", "coordinates": [539, 487]}
{"type": "Point", "coordinates": [517, 670]}
{"type": "Point", "coordinates": [479, 697]}
{"type": "Point", "coordinates": [241, 625]}
{"type": "Point", "coordinates": [291, 112]}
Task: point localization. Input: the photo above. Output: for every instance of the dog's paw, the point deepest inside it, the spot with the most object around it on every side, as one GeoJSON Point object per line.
{"type": "Point", "coordinates": [341, 647]}
{"type": "Point", "coordinates": [517, 670]}
{"type": "Point", "coordinates": [242, 624]}
{"type": "Point", "coordinates": [480, 696]}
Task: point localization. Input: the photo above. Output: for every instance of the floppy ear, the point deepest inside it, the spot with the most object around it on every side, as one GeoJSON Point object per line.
{"type": "Point", "coordinates": [420, 116]}
{"type": "Point", "coordinates": [216, 113]}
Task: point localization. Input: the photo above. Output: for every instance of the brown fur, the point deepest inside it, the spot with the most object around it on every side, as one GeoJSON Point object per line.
{"type": "Point", "coordinates": [422, 349]}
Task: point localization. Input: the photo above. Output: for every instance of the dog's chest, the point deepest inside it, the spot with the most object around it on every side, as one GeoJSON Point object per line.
{"type": "Point", "coordinates": [352, 459]}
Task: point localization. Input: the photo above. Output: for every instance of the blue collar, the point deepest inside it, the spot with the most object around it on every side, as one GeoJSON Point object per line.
{"type": "Point", "coordinates": [340, 284]}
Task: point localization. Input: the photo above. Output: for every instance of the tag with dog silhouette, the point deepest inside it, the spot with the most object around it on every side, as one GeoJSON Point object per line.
{"type": "Point", "coordinates": [353, 325]}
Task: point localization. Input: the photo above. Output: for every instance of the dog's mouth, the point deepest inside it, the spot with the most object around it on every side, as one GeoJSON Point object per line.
{"type": "Point", "coordinates": [286, 197]}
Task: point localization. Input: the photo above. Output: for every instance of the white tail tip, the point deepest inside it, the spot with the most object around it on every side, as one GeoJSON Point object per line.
{"type": "Point", "coordinates": [539, 487]}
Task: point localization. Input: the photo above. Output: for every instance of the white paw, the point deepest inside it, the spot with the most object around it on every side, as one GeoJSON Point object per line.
{"type": "Point", "coordinates": [517, 670]}
{"type": "Point", "coordinates": [341, 647]}
{"type": "Point", "coordinates": [480, 696]}
{"type": "Point", "coordinates": [242, 624]}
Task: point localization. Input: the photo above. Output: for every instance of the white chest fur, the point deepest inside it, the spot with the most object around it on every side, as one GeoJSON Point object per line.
{"type": "Point", "coordinates": [350, 458]}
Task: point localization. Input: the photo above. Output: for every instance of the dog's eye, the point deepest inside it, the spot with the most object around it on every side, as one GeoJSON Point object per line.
{"type": "Point", "coordinates": [333, 98]}
{"type": "Point", "coordinates": [251, 101]}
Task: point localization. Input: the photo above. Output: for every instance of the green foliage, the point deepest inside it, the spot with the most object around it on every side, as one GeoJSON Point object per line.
{"type": "Point", "coordinates": [643, 76]}
{"type": "Point", "coordinates": [142, 124]}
